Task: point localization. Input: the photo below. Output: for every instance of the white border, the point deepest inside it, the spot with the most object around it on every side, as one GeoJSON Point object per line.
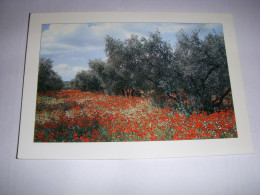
{"type": "Point", "coordinates": [125, 150]}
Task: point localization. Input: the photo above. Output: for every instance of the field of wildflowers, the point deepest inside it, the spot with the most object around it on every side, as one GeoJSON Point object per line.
{"type": "Point", "coordinates": [75, 116]}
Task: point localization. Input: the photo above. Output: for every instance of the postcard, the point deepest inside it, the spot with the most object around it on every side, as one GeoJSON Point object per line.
{"type": "Point", "coordinates": [112, 85]}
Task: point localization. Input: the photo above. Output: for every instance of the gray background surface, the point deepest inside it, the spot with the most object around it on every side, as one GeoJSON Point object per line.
{"type": "Point", "coordinates": [232, 174]}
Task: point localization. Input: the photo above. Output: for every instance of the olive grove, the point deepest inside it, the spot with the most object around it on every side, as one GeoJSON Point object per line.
{"type": "Point", "coordinates": [191, 75]}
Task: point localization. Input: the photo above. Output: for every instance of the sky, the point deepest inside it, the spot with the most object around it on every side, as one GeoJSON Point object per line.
{"type": "Point", "coordinates": [71, 46]}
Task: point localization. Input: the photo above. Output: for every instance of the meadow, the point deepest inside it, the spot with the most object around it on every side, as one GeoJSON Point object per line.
{"type": "Point", "coordinates": [75, 116]}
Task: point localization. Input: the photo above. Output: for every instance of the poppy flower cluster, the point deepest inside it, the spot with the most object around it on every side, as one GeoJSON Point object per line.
{"type": "Point", "coordinates": [75, 116]}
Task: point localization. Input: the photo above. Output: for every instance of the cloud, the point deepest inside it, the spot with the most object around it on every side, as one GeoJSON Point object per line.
{"type": "Point", "coordinates": [65, 38]}
{"type": "Point", "coordinates": [211, 26]}
{"type": "Point", "coordinates": [68, 72]}
{"type": "Point", "coordinates": [174, 27]}
{"type": "Point", "coordinates": [79, 68]}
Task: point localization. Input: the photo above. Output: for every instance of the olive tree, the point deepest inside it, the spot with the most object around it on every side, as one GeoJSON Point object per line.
{"type": "Point", "coordinates": [193, 74]}
{"type": "Point", "coordinates": [200, 72]}
{"type": "Point", "coordinates": [48, 79]}
{"type": "Point", "coordinates": [142, 64]}
{"type": "Point", "coordinates": [86, 81]}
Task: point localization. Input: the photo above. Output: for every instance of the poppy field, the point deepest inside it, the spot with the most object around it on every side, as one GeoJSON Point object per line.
{"type": "Point", "coordinates": [75, 116]}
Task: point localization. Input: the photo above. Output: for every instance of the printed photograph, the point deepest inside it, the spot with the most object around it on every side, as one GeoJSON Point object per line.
{"type": "Point", "coordinates": [129, 82]}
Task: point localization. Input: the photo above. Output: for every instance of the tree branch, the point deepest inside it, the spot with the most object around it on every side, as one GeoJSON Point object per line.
{"type": "Point", "coordinates": [218, 101]}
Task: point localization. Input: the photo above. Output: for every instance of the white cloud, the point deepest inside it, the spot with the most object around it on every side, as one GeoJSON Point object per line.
{"type": "Point", "coordinates": [79, 68]}
{"type": "Point", "coordinates": [68, 72]}
{"type": "Point", "coordinates": [61, 67]}
{"type": "Point", "coordinates": [173, 27]}
{"type": "Point", "coordinates": [65, 38]}
{"type": "Point", "coordinates": [101, 29]}
{"type": "Point", "coordinates": [77, 59]}
{"type": "Point", "coordinates": [211, 26]}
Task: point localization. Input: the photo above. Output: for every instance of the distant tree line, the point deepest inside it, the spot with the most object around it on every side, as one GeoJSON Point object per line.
{"type": "Point", "coordinates": [48, 79]}
{"type": "Point", "coordinates": [191, 75]}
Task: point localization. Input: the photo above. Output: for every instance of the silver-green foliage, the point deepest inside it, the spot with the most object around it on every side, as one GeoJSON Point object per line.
{"type": "Point", "coordinates": [189, 73]}
{"type": "Point", "coordinates": [48, 79]}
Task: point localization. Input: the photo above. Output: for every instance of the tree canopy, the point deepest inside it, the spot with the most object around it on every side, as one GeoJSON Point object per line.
{"type": "Point", "coordinates": [86, 81]}
{"type": "Point", "coordinates": [193, 74]}
{"type": "Point", "coordinates": [48, 79]}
